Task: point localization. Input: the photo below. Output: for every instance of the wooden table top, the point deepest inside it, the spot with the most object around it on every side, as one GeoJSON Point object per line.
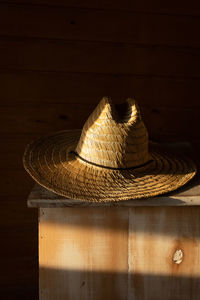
{"type": "Point", "coordinates": [188, 195]}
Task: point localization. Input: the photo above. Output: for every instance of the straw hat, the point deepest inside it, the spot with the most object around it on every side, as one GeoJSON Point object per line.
{"type": "Point", "coordinates": [110, 159]}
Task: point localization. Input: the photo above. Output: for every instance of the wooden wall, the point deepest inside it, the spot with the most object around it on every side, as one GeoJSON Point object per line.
{"type": "Point", "coordinates": [57, 59]}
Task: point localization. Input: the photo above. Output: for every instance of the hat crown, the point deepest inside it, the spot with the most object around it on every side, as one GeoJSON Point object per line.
{"type": "Point", "coordinates": [114, 136]}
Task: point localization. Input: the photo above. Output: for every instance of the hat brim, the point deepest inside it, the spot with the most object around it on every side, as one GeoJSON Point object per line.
{"type": "Point", "coordinates": [50, 162]}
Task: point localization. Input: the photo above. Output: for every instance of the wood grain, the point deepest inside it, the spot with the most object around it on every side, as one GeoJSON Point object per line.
{"type": "Point", "coordinates": [42, 119]}
{"type": "Point", "coordinates": [66, 254]}
{"type": "Point", "coordinates": [155, 6]}
{"type": "Point", "coordinates": [86, 57]}
{"type": "Point", "coordinates": [19, 248]}
{"type": "Point", "coordinates": [127, 251]}
{"type": "Point", "coordinates": [62, 53]}
{"type": "Point", "coordinates": [15, 182]}
{"type": "Point", "coordinates": [106, 26]}
{"type": "Point", "coordinates": [12, 159]}
{"type": "Point", "coordinates": [187, 196]}
{"type": "Point", "coordinates": [55, 87]}
{"type": "Point", "coordinates": [152, 253]}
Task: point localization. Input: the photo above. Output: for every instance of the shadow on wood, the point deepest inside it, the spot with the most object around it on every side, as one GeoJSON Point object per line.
{"type": "Point", "coordinates": [90, 285]}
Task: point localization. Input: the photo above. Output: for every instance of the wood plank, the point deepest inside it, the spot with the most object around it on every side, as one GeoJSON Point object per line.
{"type": "Point", "coordinates": [43, 119]}
{"type": "Point", "coordinates": [108, 26]}
{"type": "Point", "coordinates": [19, 89]}
{"type": "Point", "coordinates": [155, 6]}
{"type": "Point", "coordinates": [89, 246]}
{"type": "Point", "coordinates": [25, 270]}
{"type": "Point", "coordinates": [19, 247]}
{"type": "Point", "coordinates": [12, 150]}
{"type": "Point", "coordinates": [16, 213]}
{"type": "Point", "coordinates": [21, 292]}
{"type": "Point", "coordinates": [155, 234]}
{"type": "Point", "coordinates": [85, 57]}
{"type": "Point", "coordinates": [26, 235]}
{"type": "Point", "coordinates": [142, 265]}
{"type": "Point", "coordinates": [15, 182]}
{"type": "Point", "coordinates": [187, 196]}
{"type": "Point", "coordinates": [50, 87]}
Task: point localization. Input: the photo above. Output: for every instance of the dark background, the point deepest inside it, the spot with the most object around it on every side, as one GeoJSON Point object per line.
{"type": "Point", "coordinates": [57, 59]}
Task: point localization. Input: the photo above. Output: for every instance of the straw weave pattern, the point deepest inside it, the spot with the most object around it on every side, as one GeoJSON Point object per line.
{"type": "Point", "coordinates": [111, 141]}
{"type": "Point", "coordinates": [50, 162]}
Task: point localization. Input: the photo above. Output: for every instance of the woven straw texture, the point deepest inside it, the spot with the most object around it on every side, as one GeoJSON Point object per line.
{"type": "Point", "coordinates": [110, 159]}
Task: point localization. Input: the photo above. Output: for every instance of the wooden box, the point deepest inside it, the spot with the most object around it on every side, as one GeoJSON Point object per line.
{"type": "Point", "coordinates": [135, 250]}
